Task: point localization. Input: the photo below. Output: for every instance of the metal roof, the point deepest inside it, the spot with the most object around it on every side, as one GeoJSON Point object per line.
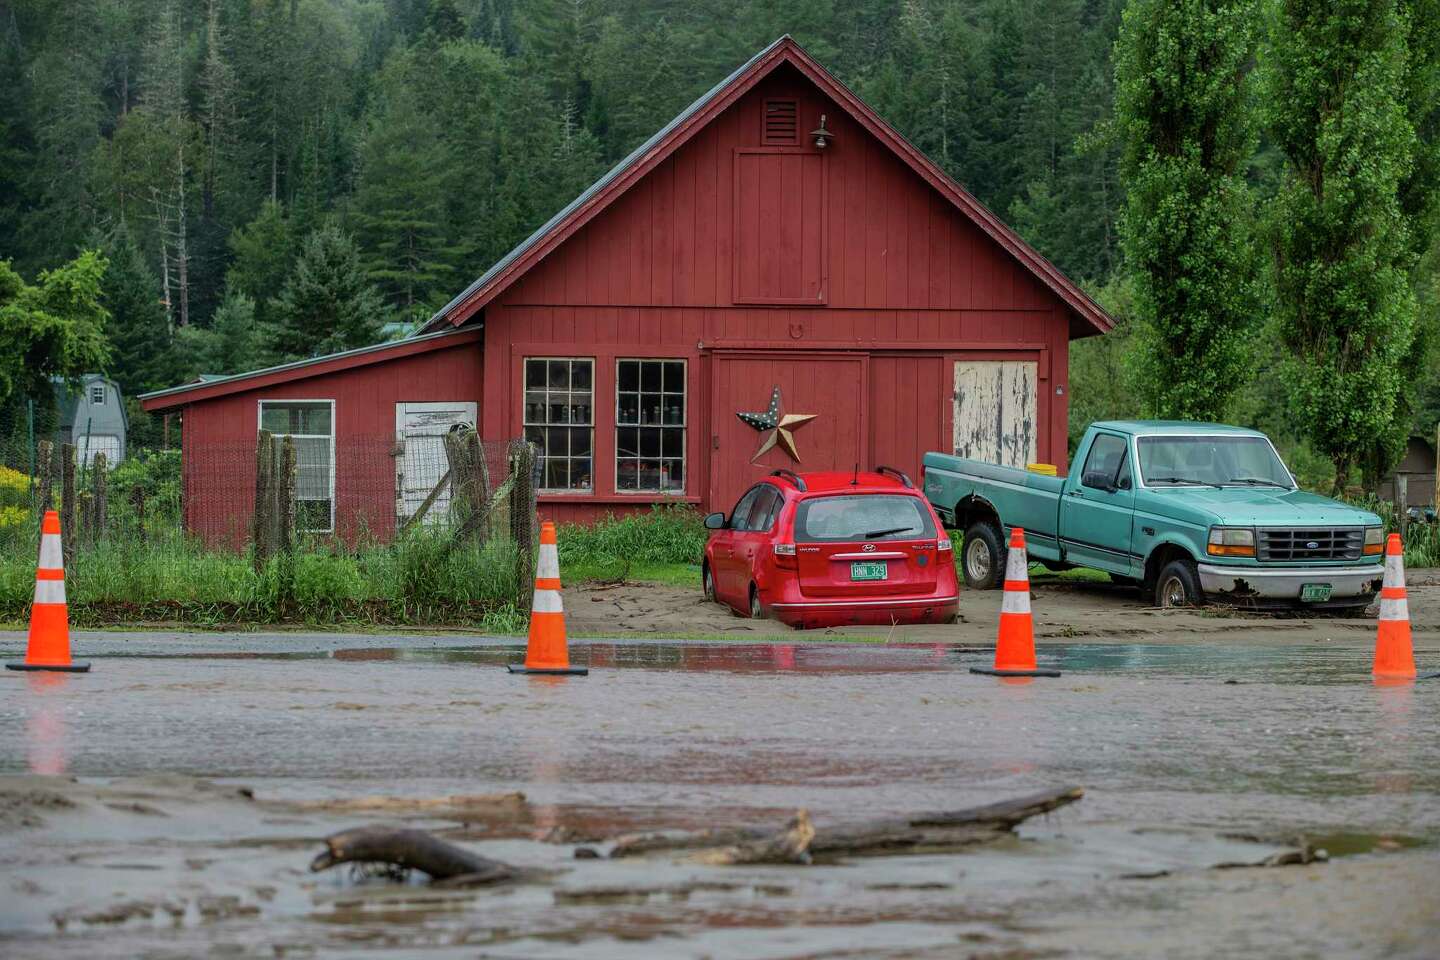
{"type": "Point", "coordinates": [599, 185]}
{"type": "Point", "coordinates": [210, 380]}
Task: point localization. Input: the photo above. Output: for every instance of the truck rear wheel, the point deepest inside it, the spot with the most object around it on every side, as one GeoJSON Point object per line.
{"type": "Point", "coordinates": [1178, 584]}
{"type": "Point", "coordinates": [982, 557]}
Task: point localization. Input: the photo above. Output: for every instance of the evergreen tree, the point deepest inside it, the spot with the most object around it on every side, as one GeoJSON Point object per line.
{"type": "Point", "coordinates": [234, 342]}
{"type": "Point", "coordinates": [406, 174]}
{"type": "Point", "coordinates": [142, 357]}
{"type": "Point", "coordinates": [443, 22]}
{"type": "Point", "coordinates": [1181, 109]}
{"type": "Point", "coordinates": [326, 305]}
{"type": "Point", "coordinates": [263, 252]}
{"type": "Point", "coordinates": [1336, 109]}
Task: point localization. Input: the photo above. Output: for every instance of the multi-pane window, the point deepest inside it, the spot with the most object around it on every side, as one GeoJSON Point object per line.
{"type": "Point", "coordinates": [560, 419]}
{"type": "Point", "coordinates": [97, 393]}
{"type": "Point", "coordinates": [311, 424]}
{"type": "Point", "coordinates": [650, 426]}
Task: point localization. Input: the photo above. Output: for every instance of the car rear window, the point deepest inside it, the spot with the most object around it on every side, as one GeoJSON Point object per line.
{"type": "Point", "coordinates": [863, 517]}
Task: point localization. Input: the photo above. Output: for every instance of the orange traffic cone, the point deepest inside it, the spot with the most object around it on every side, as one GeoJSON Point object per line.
{"type": "Point", "coordinates": [1394, 654]}
{"type": "Point", "coordinates": [546, 651]}
{"type": "Point", "coordinates": [49, 647]}
{"type": "Point", "coordinates": [1015, 647]}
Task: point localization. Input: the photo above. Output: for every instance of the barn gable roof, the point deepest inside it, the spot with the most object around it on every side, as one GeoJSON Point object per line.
{"type": "Point", "coordinates": [509, 268]}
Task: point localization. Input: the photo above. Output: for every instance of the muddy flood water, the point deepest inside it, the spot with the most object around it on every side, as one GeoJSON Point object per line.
{"type": "Point", "coordinates": [168, 803]}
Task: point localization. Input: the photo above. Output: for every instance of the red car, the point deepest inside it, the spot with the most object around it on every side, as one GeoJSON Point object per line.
{"type": "Point", "coordinates": [828, 549]}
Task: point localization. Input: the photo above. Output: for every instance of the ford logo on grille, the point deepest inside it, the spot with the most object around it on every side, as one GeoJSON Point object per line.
{"type": "Point", "coordinates": [868, 548]}
{"type": "Point", "coordinates": [1312, 545]}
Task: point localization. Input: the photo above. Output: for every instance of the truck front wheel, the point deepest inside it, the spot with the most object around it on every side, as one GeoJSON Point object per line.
{"type": "Point", "coordinates": [983, 557]}
{"type": "Point", "coordinates": [1178, 584]}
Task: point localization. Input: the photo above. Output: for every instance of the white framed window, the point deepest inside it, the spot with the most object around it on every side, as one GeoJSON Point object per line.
{"type": "Point", "coordinates": [97, 393]}
{"type": "Point", "coordinates": [560, 420]}
{"type": "Point", "coordinates": [650, 418]}
{"type": "Point", "coordinates": [311, 424]}
{"type": "Point", "coordinates": [88, 446]}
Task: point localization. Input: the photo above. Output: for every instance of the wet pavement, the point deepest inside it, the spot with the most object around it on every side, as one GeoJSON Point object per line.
{"type": "Point", "coordinates": [1191, 756]}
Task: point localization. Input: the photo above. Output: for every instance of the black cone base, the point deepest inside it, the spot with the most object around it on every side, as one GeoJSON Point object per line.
{"type": "Point", "coordinates": [992, 672]}
{"type": "Point", "coordinates": [549, 671]}
{"type": "Point", "coordinates": [75, 666]}
{"type": "Point", "coordinates": [1428, 676]}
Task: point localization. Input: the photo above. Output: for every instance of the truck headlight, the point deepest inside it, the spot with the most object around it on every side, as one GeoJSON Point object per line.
{"type": "Point", "coordinates": [1374, 540]}
{"type": "Point", "coordinates": [1231, 542]}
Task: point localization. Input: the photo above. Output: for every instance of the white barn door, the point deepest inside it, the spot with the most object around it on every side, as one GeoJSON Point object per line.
{"type": "Point", "coordinates": [995, 404]}
{"type": "Point", "coordinates": [420, 429]}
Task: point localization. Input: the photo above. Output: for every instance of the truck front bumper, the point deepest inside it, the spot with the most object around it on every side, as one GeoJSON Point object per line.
{"type": "Point", "coordinates": [1284, 583]}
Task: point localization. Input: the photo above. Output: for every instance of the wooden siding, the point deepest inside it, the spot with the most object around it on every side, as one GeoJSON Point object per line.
{"type": "Point", "coordinates": [218, 441]}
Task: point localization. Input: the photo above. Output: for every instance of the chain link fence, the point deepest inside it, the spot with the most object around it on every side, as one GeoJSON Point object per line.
{"type": "Point", "coordinates": [437, 528]}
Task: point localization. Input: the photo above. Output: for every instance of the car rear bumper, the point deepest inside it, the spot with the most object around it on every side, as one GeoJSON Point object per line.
{"type": "Point", "coordinates": [832, 613]}
{"type": "Point", "coordinates": [1284, 583]}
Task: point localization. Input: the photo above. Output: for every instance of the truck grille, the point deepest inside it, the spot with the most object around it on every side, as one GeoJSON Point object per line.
{"type": "Point", "coordinates": [1338, 543]}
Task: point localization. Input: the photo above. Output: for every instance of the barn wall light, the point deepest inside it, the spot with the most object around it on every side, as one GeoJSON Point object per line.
{"type": "Point", "coordinates": [821, 135]}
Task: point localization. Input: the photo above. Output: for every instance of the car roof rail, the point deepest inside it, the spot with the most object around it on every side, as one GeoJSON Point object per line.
{"type": "Point", "coordinates": [903, 479]}
{"type": "Point", "coordinates": [792, 476]}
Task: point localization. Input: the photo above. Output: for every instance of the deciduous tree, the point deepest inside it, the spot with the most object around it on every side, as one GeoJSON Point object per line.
{"type": "Point", "coordinates": [1335, 106]}
{"type": "Point", "coordinates": [1182, 112]}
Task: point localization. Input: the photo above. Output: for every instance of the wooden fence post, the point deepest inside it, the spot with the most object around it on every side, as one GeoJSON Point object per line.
{"type": "Point", "coordinates": [286, 491]}
{"type": "Point", "coordinates": [522, 514]}
{"type": "Point", "coordinates": [260, 525]}
{"type": "Point", "coordinates": [1402, 503]}
{"type": "Point", "coordinates": [137, 504]}
{"type": "Point", "coordinates": [100, 485]}
{"type": "Point", "coordinates": [67, 500]}
{"type": "Point", "coordinates": [45, 466]}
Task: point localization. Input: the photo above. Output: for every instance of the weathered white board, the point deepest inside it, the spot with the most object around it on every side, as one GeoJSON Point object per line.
{"type": "Point", "coordinates": [995, 403]}
{"type": "Point", "coordinates": [420, 429]}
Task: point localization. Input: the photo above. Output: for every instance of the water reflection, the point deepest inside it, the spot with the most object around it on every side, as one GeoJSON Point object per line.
{"type": "Point", "coordinates": [45, 731]}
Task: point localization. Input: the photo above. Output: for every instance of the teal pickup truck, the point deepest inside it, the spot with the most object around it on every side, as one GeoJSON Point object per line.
{"type": "Point", "coordinates": [1186, 511]}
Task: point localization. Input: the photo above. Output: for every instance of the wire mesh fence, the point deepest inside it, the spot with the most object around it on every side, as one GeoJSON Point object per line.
{"type": "Point", "coordinates": [428, 528]}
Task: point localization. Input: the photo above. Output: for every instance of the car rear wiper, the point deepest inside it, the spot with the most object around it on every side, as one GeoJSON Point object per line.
{"type": "Point", "coordinates": [872, 534]}
{"type": "Point", "coordinates": [1198, 483]}
{"type": "Point", "coordinates": [1260, 481]}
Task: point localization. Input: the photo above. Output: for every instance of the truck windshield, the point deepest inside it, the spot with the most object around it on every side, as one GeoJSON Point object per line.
{"type": "Point", "coordinates": [1217, 461]}
{"type": "Point", "coordinates": [863, 517]}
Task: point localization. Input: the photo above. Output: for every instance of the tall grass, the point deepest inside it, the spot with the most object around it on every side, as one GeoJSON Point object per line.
{"type": "Point", "coordinates": [1422, 540]}
{"type": "Point", "coordinates": [414, 580]}
{"type": "Point", "coordinates": [617, 546]}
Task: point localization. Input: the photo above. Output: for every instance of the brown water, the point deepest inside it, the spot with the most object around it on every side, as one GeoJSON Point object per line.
{"type": "Point", "coordinates": [1180, 749]}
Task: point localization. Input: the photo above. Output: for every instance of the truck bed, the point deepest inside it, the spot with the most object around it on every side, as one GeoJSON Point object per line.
{"type": "Point", "coordinates": [1027, 499]}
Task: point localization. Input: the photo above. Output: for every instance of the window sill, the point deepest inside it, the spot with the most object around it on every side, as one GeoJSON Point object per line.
{"type": "Point", "coordinates": [613, 498]}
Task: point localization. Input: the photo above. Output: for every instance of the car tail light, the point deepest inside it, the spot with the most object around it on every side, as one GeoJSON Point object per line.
{"type": "Point", "coordinates": [944, 544]}
{"type": "Point", "coordinates": [785, 555]}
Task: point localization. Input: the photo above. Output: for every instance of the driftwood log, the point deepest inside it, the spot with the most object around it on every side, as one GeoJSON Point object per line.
{"type": "Point", "coordinates": [412, 850]}
{"type": "Point", "coordinates": [790, 845]}
{"type": "Point", "coordinates": [921, 833]}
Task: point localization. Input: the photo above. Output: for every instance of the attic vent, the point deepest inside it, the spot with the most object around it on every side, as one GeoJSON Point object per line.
{"type": "Point", "coordinates": [782, 122]}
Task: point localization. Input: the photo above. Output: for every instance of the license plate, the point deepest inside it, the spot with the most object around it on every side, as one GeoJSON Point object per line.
{"type": "Point", "coordinates": [869, 570]}
{"type": "Point", "coordinates": [1314, 592]}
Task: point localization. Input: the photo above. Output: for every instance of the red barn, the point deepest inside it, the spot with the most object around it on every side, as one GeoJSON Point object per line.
{"type": "Point", "coordinates": [775, 242]}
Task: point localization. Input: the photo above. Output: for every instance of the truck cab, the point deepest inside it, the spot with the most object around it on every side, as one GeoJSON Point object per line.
{"type": "Point", "coordinates": [1188, 511]}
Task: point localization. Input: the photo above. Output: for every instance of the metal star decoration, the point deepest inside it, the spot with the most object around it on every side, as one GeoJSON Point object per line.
{"type": "Point", "coordinates": [777, 426]}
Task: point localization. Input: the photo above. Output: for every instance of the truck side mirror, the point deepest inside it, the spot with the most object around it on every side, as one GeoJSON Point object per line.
{"type": "Point", "coordinates": [715, 521]}
{"type": "Point", "coordinates": [1124, 483]}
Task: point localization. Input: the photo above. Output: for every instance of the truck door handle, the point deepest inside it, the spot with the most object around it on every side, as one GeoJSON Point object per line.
{"type": "Point", "coordinates": [1077, 493]}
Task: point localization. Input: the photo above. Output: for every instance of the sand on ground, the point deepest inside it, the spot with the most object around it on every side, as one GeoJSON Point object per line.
{"type": "Point", "coordinates": [1064, 611]}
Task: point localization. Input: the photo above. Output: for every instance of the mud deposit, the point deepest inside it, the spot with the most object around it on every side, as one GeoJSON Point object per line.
{"type": "Point", "coordinates": [167, 804]}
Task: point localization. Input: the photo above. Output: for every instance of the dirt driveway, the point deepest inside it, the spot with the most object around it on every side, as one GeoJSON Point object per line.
{"type": "Point", "coordinates": [1064, 610]}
